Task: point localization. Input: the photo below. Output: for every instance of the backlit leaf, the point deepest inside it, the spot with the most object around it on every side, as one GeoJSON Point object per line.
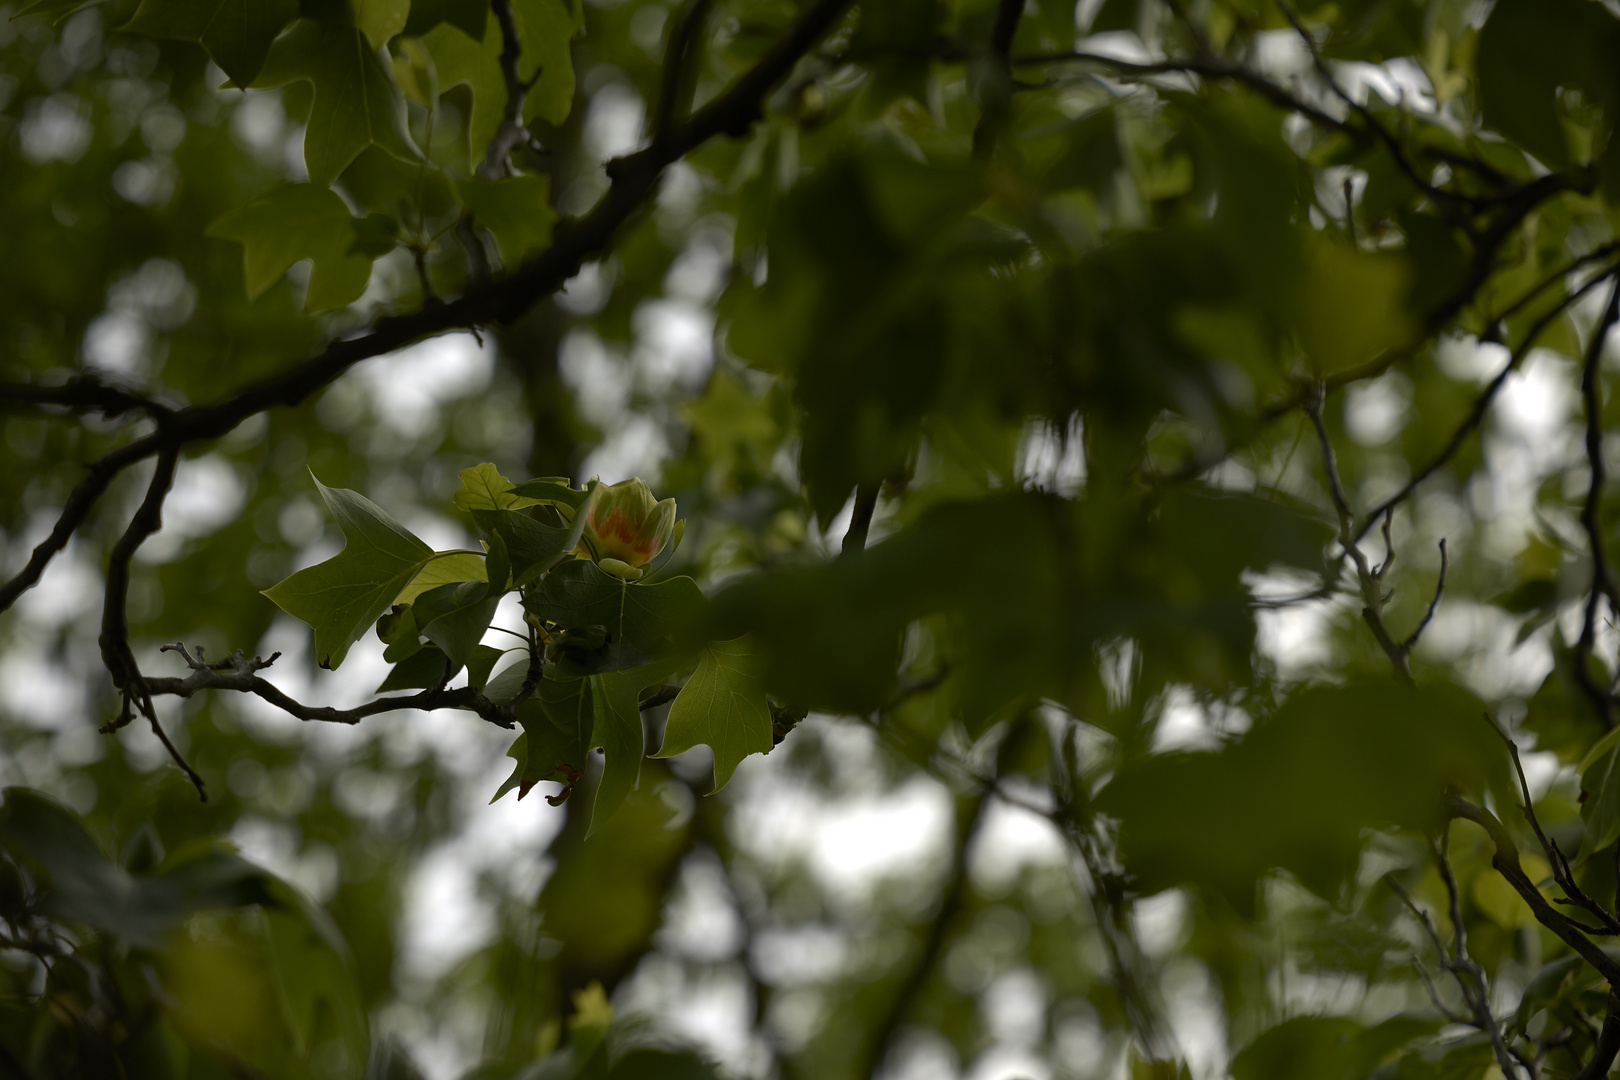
{"type": "Point", "coordinates": [357, 103]}
{"type": "Point", "coordinates": [341, 597]}
{"type": "Point", "coordinates": [299, 221]}
{"type": "Point", "coordinates": [722, 705]}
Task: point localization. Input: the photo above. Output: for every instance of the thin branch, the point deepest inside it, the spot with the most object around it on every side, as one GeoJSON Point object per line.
{"type": "Point", "coordinates": [1563, 873]}
{"type": "Point", "coordinates": [1372, 595]}
{"type": "Point", "coordinates": [1482, 406]}
{"type": "Point", "coordinates": [241, 674]}
{"type": "Point", "coordinates": [995, 89]}
{"type": "Point", "coordinates": [1603, 584]}
{"type": "Point", "coordinates": [634, 178]}
{"type": "Point", "coordinates": [679, 74]}
{"type": "Point", "coordinates": [1608, 1043]}
{"type": "Point", "coordinates": [1205, 67]}
{"type": "Point", "coordinates": [148, 519]}
{"type": "Point", "coordinates": [511, 133]}
{"type": "Point", "coordinates": [1506, 861]}
{"type": "Point", "coordinates": [1439, 590]}
{"type": "Point", "coordinates": [1478, 994]}
{"type": "Point", "coordinates": [82, 394]}
{"type": "Point", "coordinates": [74, 511]}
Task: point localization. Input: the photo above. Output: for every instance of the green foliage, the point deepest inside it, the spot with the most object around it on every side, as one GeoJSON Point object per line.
{"type": "Point", "coordinates": [1112, 513]}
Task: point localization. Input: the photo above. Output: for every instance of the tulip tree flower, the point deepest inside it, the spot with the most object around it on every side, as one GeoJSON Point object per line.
{"type": "Point", "coordinates": [625, 527]}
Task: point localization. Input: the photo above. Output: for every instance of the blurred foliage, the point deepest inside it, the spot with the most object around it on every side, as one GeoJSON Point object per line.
{"type": "Point", "coordinates": [1063, 536]}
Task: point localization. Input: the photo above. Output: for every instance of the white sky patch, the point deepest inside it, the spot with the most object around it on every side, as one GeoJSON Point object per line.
{"type": "Point", "coordinates": [1376, 411]}
{"type": "Point", "coordinates": [207, 495]}
{"type": "Point", "coordinates": [637, 448]}
{"type": "Point", "coordinates": [613, 122]}
{"type": "Point", "coordinates": [446, 917]}
{"type": "Point", "coordinates": [407, 387]}
{"type": "Point", "coordinates": [70, 588]}
{"type": "Point", "coordinates": [598, 376]}
{"type": "Point", "coordinates": [800, 955]}
{"type": "Point", "coordinates": [674, 345]}
{"type": "Point", "coordinates": [38, 691]}
{"type": "Point", "coordinates": [1009, 839]}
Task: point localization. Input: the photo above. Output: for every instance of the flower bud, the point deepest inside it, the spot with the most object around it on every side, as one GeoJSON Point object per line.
{"type": "Point", "coordinates": [626, 524]}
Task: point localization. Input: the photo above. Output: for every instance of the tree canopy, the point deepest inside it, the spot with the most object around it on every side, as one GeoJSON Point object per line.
{"type": "Point", "coordinates": [809, 538]}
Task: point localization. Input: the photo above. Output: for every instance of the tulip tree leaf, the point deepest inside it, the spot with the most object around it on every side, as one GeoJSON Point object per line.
{"type": "Point", "coordinates": [723, 705]}
{"type": "Point", "coordinates": [380, 20]}
{"type": "Point", "coordinates": [484, 488]}
{"type": "Point", "coordinates": [454, 617]}
{"type": "Point", "coordinates": [516, 210]}
{"type": "Point", "coordinates": [82, 884]}
{"type": "Point", "coordinates": [421, 670]}
{"type": "Point", "coordinates": [357, 102]}
{"type": "Point", "coordinates": [319, 987]}
{"type": "Point", "coordinates": [468, 15]}
{"type": "Point", "coordinates": [445, 568]}
{"type": "Point", "coordinates": [1601, 809]}
{"type": "Point", "coordinates": [56, 10]}
{"type": "Point", "coordinates": [565, 719]}
{"type": "Point", "coordinates": [557, 722]}
{"type": "Point", "coordinates": [344, 595]}
{"type": "Point", "coordinates": [237, 34]}
{"type": "Point", "coordinates": [531, 548]}
{"type": "Point", "coordinates": [643, 621]}
{"type": "Point", "coordinates": [616, 728]}
{"type": "Point", "coordinates": [299, 221]}
{"type": "Point", "coordinates": [1300, 789]}
{"type": "Point", "coordinates": [546, 28]}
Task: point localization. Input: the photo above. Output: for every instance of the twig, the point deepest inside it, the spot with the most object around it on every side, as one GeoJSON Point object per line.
{"type": "Point", "coordinates": [1478, 995]}
{"type": "Point", "coordinates": [241, 674]}
{"type": "Point", "coordinates": [1476, 415]}
{"type": "Point", "coordinates": [74, 511]}
{"type": "Point", "coordinates": [83, 394]}
{"type": "Point", "coordinates": [1439, 590]}
{"type": "Point", "coordinates": [1608, 1043]}
{"type": "Point", "coordinates": [1372, 596]}
{"type": "Point", "coordinates": [634, 179]}
{"type": "Point", "coordinates": [1506, 861]}
{"type": "Point", "coordinates": [1603, 585]}
{"type": "Point", "coordinates": [511, 133]}
{"type": "Point", "coordinates": [995, 88]}
{"type": "Point", "coordinates": [679, 77]}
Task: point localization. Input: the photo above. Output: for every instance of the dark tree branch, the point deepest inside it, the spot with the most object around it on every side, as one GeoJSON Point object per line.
{"type": "Point", "coordinates": [996, 88]}
{"type": "Point", "coordinates": [511, 133]}
{"type": "Point", "coordinates": [82, 394]}
{"type": "Point", "coordinates": [1563, 873]}
{"type": "Point", "coordinates": [1603, 584]}
{"type": "Point", "coordinates": [114, 641]}
{"type": "Point", "coordinates": [1506, 861]}
{"type": "Point", "coordinates": [241, 674]}
{"type": "Point", "coordinates": [1482, 407]}
{"type": "Point", "coordinates": [679, 75]}
{"type": "Point", "coordinates": [1372, 585]}
{"type": "Point", "coordinates": [860, 518]}
{"type": "Point", "coordinates": [1439, 590]}
{"type": "Point", "coordinates": [74, 511]}
{"type": "Point", "coordinates": [1608, 1044]}
{"type": "Point", "coordinates": [1470, 977]}
{"type": "Point", "coordinates": [634, 178]}
{"type": "Point", "coordinates": [1208, 67]}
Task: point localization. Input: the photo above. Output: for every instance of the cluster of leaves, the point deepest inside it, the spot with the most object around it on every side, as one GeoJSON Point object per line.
{"type": "Point", "coordinates": [263, 984]}
{"type": "Point", "coordinates": [1073, 338]}
{"type": "Point", "coordinates": [611, 629]}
